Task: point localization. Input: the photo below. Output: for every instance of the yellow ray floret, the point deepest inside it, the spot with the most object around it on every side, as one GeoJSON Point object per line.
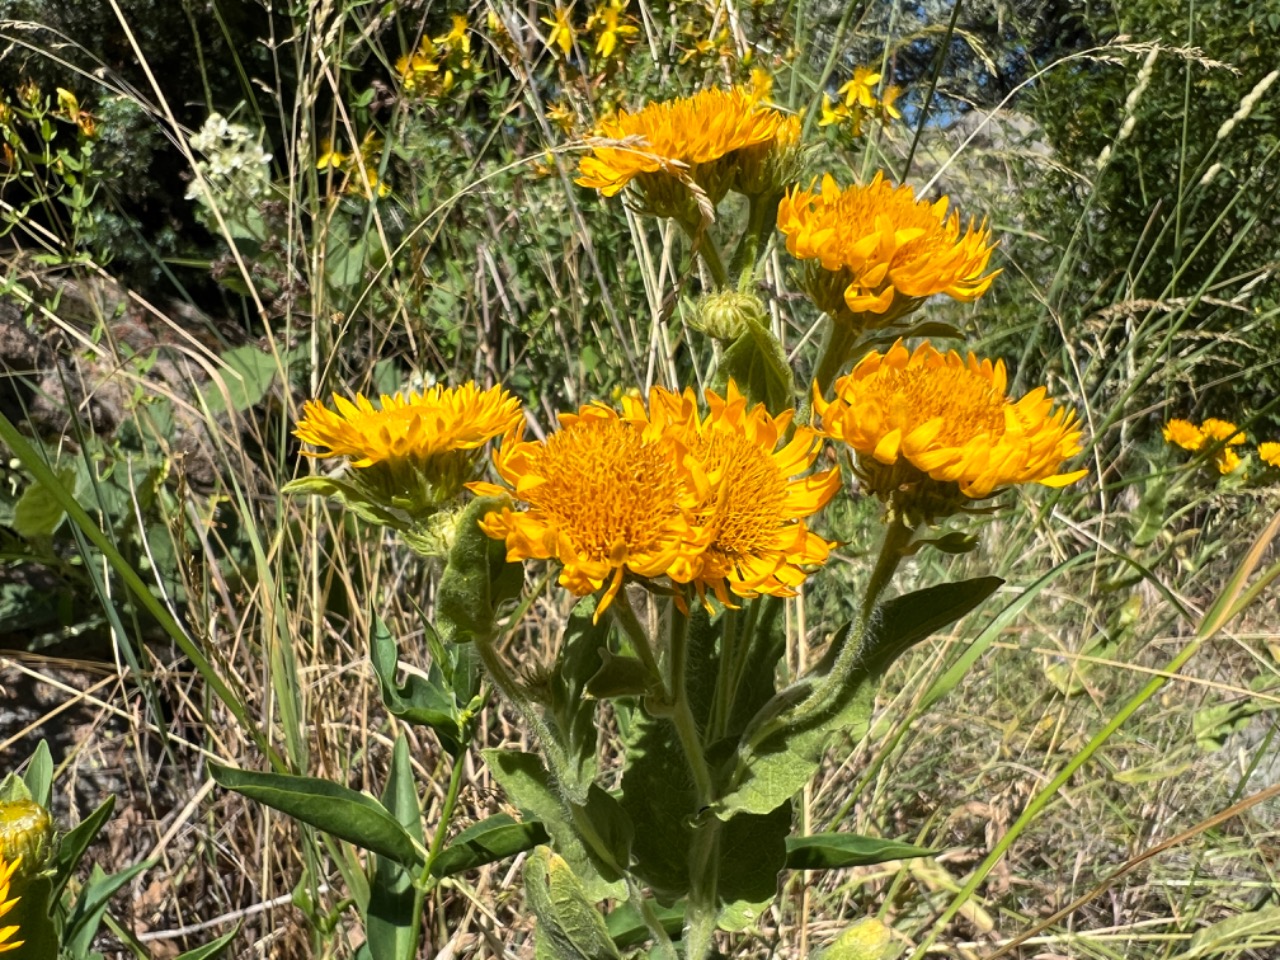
{"type": "Point", "coordinates": [948, 416]}
{"type": "Point", "coordinates": [604, 496]}
{"type": "Point", "coordinates": [408, 425]}
{"type": "Point", "coordinates": [678, 136]}
{"type": "Point", "coordinates": [886, 244]}
{"type": "Point", "coordinates": [7, 934]}
{"type": "Point", "coordinates": [1184, 433]}
{"type": "Point", "coordinates": [1269, 453]}
{"type": "Point", "coordinates": [752, 497]}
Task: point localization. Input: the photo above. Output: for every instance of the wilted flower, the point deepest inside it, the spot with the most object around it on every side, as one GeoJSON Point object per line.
{"type": "Point", "coordinates": [916, 414]}
{"type": "Point", "coordinates": [881, 250]}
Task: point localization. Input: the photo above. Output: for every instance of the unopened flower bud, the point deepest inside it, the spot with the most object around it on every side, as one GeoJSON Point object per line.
{"type": "Point", "coordinates": [26, 831]}
{"type": "Point", "coordinates": [724, 314]}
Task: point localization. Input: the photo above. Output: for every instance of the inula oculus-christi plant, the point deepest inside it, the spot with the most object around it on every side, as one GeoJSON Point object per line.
{"type": "Point", "coordinates": [683, 520]}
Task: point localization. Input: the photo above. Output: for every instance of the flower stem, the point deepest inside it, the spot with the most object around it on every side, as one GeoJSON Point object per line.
{"type": "Point", "coordinates": [837, 344]}
{"type": "Point", "coordinates": [426, 883]}
{"type": "Point", "coordinates": [625, 616]}
{"type": "Point", "coordinates": [706, 247]}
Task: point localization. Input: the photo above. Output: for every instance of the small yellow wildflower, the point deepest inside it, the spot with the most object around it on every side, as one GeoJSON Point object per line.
{"type": "Point", "coordinates": [1269, 453]}
{"type": "Point", "coordinates": [833, 112]}
{"type": "Point", "coordinates": [761, 84]}
{"type": "Point", "coordinates": [1228, 435]}
{"type": "Point", "coordinates": [682, 138]}
{"type": "Point", "coordinates": [887, 107]}
{"type": "Point", "coordinates": [752, 497]}
{"type": "Point", "coordinates": [605, 496]}
{"type": "Point", "coordinates": [417, 69]}
{"type": "Point", "coordinates": [562, 32]}
{"type": "Point", "coordinates": [884, 248]}
{"type": "Point", "coordinates": [458, 37]}
{"type": "Point", "coordinates": [330, 158]}
{"type": "Point", "coordinates": [860, 89]}
{"type": "Point", "coordinates": [947, 417]}
{"type": "Point", "coordinates": [563, 116]}
{"type": "Point", "coordinates": [7, 869]}
{"type": "Point", "coordinates": [607, 17]}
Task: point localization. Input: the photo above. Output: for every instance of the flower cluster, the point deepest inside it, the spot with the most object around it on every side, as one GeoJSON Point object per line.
{"type": "Point", "coordinates": [432, 69]}
{"type": "Point", "coordinates": [1217, 437]}
{"type": "Point", "coordinates": [717, 501]}
{"type": "Point", "coordinates": [235, 167]}
{"type": "Point", "coordinates": [881, 250]}
{"type": "Point", "coordinates": [716, 141]}
{"type": "Point", "coordinates": [934, 425]}
{"type": "Point", "coordinates": [359, 171]}
{"type": "Point", "coordinates": [858, 101]}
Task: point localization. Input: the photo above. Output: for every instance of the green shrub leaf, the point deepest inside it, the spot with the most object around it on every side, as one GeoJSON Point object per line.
{"type": "Point", "coordinates": [420, 700]}
{"type": "Point", "coordinates": [492, 839]}
{"type": "Point", "coordinates": [569, 926]}
{"type": "Point", "coordinates": [831, 851]}
{"type": "Point", "coordinates": [39, 511]}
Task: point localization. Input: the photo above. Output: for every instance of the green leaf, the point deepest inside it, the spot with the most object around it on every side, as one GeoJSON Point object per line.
{"type": "Point", "coordinates": [528, 785]}
{"type": "Point", "coordinates": [628, 929]}
{"type": "Point", "coordinates": [1235, 934]}
{"type": "Point", "coordinates": [757, 363]}
{"type": "Point", "coordinates": [31, 915]}
{"type": "Point", "coordinates": [578, 662]}
{"type": "Point", "coordinates": [619, 677]}
{"type": "Point", "coordinates": [477, 579]}
{"type": "Point", "coordinates": [39, 511]}
{"type": "Point", "coordinates": [867, 939]}
{"type": "Point", "coordinates": [832, 851]}
{"type": "Point", "coordinates": [421, 700]}
{"type": "Point", "coordinates": [770, 769]}
{"type": "Point", "coordinates": [492, 839]}
{"type": "Point", "coordinates": [753, 851]}
{"type": "Point", "coordinates": [39, 775]}
{"type": "Point", "coordinates": [211, 949]}
{"type": "Point", "coordinates": [569, 926]}
{"type": "Point", "coordinates": [76, 841]}
{"type": "Point", "coordinates": [86, 915]}
{"type": "Point", "coordinates": [389, 919]}
{"type": "Point", "coordinates": [248, 375]}
{"type": "Point", "coordinates": [331, 807]}
{"type": "Point", "coordinates": [1214, 725]}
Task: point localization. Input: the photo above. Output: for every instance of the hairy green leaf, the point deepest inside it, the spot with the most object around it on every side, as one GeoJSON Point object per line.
{"type": "Point", "coordinates": [477, 579]}
{"type": "Point", "coordinates": [569, 926]}
{"type": "Point", "coordinates": [757, 363]}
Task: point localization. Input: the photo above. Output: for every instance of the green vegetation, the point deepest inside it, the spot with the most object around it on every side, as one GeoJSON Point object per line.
{"type": "Point", "coordinates": [213, 213]}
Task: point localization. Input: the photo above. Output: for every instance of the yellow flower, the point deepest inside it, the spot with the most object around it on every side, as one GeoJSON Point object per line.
{"type": "Point", "coordinates": [605, 496]}
{"type": "Point", "coordinates": [408, 426]}
{"type": "Point", "coordinates": [888, 110]}
{"type": "Point", "coordinates": [1184, 434]}
{"type": "Point", "coordinates": [752, 497]}
{"type": "Point", "coordinates": [329, 157]}
{"type": "Point", "coordinates": [675, 139]}
{"type": "Point", "coordinates": [562, 32]}
{"type": "Point", "coordinates": [607, 17]}
{"type": "Point", "coordinates": [833, 112]}
{"type": "Point", "coordinates": [761, 84]}
{"type": "Point", "coordinates": [947, 417]}
{"type": "Point", "coordinates": [416, 70]}
{"type": "Point", "coordinates": [1269, 453]}
{"type": "Point", "coordinates": [1228, 435]}
{"type": "Point", "coordinates": [881, 244]}
{"type": "Point", "coordinates": [7, 934]}
{"type": "Point", "coordinates": [563, 116]}
{"type": "Point", "coordinates": [457, 38]}
{"type": "Point", "coordinates": [859, 90]}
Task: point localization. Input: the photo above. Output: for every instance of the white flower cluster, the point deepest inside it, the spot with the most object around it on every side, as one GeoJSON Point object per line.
{"type": "Point", "coordinates": [235, 166]}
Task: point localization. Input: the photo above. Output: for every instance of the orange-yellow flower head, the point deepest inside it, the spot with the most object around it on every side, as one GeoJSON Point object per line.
{"type": "Point", "coordinates": [1215, 434]}
{"type": "Point", "coordinates": [1269, 453]}
{"type": "Point", "coordinates": [411, 453]}
{"type": "Point", "coordinates": [946, 417]}
{"type": "Point", "coordinates": [7, 934]}
{"type": "Point", "coordinates": [603, 495]}
{"type": "Point", "coordinates": [752, 496]}
{"type": "Point", "coordinates": [881, 250]}
{"type": "Point", "coordinates": [1184, 433]}
{"type": "Point", "coordinates": [691, 140]}
{"type": "Point", "coordinates": [408, 426]}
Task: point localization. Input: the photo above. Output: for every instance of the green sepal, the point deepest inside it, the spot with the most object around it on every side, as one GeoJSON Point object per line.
{"type": "Point", "coordinates": [492, 839]}
{"type": "Point", "coordinates": [477, 579]}
{"type": "Point", "coordinates": [569, 926]}
{"type": "Point", "coordinates": [345, 813]}
{"type": "Point", "coordinates": [833, 851]}
{"type": "Point", "coordinates": [758, 365]}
